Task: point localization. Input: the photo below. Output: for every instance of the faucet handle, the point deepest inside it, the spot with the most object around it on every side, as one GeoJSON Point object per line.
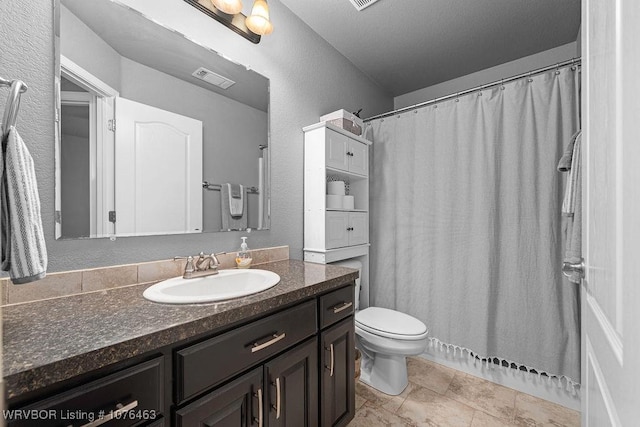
{"type": "Point", "coordinates": [188, 268]}
{"type": "Point", "coordinates": [215, 259]}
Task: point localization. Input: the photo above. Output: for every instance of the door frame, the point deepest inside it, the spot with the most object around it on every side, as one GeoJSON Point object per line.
{"type": "Point", "coordinates": [102, 157]}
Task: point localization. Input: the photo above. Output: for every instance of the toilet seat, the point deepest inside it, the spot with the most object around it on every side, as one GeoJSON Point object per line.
{"type": "Point", "coordinates": [390, 324]}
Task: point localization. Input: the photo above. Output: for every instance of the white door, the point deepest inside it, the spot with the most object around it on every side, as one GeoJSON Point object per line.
{"type": "Point", "coordinates": [158, 171]}
{"type": "Point", "coordinates": [358, 228]}
{"type": "Point", "coordinates": [611, 213]}
{"type": "Point", "coordinates": [337, 150]}
{"type": "Point", "coordinates": [358, 158]}
{"type": "Point", "coordinates": [336, 225]}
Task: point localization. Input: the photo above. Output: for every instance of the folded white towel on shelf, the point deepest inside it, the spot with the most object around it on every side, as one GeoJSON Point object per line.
{"type": "Point", "coordinates": [24, 253]}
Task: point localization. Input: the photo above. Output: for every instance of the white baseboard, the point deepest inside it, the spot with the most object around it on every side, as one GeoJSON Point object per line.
{"type": "Point", "coordinates": [538, 386]}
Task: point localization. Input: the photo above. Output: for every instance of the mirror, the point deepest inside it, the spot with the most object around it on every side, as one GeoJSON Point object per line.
{"type": "Point", "coordinates": [156, 134]}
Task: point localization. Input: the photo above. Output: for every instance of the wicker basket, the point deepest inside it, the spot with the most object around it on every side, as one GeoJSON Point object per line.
{"type": "Point", "coordinates": [344, 120]}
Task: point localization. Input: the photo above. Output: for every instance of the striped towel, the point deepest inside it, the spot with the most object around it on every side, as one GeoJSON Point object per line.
{"type": "Point", "coordinates": [24, 254]}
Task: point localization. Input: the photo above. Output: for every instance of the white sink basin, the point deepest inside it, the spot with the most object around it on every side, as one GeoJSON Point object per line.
{"type": "Point", "coordinates": [227, 284]}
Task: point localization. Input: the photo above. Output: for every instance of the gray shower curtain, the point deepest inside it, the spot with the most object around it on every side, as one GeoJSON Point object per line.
{"type": "Point", "coordinates": [466, 218]}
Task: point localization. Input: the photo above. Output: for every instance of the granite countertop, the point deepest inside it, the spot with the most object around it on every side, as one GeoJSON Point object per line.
{"type": "Point", "coordinates": [49, 341]}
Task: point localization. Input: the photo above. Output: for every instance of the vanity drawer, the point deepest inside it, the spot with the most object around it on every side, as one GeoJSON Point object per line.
{"type": "Point", "coordinates": [336, 305]}
{"type": "Point", "coordinates": [202, 366]}
{"type": "Point", "coordinates": [137, 392]}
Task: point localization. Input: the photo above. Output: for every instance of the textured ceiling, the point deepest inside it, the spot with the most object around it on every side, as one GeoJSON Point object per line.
{"type": "Point", "coordinates": [405, 45]}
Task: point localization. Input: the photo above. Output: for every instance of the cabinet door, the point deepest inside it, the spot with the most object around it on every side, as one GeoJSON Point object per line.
{"type": "Point", "coordinates": [292, 384]}
{"type": "Point", "coordinates": [358, 228]}
{"type": "Point", "coordinates": [237, 404]}
{"type": "Point", "coordinates": [336, 233]}
{"type": "Point", "coordinates": [337, 388]}
{"type": "Point", "coordinates": [337, 146]}
{"type": "Point", "coordinates": [136, 391]}
{"type": "Point", "coordinates": [358, 158]}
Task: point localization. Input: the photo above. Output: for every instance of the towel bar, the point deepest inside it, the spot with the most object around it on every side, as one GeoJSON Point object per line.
{"type": "Point", "coordinates": [217, 187]}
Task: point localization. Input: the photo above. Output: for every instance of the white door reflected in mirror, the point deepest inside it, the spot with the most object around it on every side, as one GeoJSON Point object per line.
{"type": "Point", "coordinates": [158, 171]}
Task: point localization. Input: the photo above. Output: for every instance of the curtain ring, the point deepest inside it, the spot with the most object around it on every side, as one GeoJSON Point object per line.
{"type": "Point", "coordinates": [457, 96]}
{"type": "Point", "coordinates": [501, 84]}
{"type": "Point", "coordinates": [530, 79]}
{"type": "Point", "coordinates": [557, 69]}
{"type": "Point", "coordinates": [573, 64]}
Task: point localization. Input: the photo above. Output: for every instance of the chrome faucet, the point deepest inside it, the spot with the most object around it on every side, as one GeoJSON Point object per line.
{"type": "Point", "coordinates": [204, 265]}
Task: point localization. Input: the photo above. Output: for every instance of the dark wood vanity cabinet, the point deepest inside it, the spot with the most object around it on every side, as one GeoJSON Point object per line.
{"type": "Point", "coordinates": [337, 388]}
{"type": "Point", "coordinates": [290, 368]}
{"type": "Point", "coordinates": [130, 397]}
{"type": "Point", "coordinates": [292, 387]}
{"type": "Point", "coordinates": [305, 355]}
{"type": "Point", "coordinates": [201, 366]}
{"type": "Point", "coordinates": [337, 357]}
{"type": "Point", "coordinates": [282, 392]}
{"type": "Point", "coordinates": [237, 404]}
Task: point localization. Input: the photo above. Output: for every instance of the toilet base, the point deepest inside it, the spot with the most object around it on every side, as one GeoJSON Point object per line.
{"type": "Point", "coordinates": [385, 373]}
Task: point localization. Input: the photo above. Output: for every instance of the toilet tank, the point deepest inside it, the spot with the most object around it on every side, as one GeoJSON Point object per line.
{"type": "Point", "coordinates": [353, 263]}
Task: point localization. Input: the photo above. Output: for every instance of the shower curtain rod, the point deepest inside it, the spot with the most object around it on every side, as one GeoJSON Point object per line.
{"type": "Point", "coordinates": [574, 61]}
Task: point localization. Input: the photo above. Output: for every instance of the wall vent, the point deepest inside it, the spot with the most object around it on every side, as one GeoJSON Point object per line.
{"type": "Point", "coordinates": [362, 4]}
{"type": "Point", "coordinates": [213, 78]}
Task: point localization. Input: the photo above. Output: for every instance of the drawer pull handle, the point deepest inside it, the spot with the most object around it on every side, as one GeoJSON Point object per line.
{"type": "Point", "coordinates": [331, 364]}
{"type": "Point", "coordinates": [338, 308]}
{"type": "Point", "coordinates": [259, 396]}
{"type": "Point", "coordinates": [275, 339]}
{"type": "Point", "coordinates": [120, 409]}
{"type": "Point", "coordinates": [277, 407]}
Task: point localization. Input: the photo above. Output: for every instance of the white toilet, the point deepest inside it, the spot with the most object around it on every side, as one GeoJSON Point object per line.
{"type": "Point", "coordinates": [385, 338]}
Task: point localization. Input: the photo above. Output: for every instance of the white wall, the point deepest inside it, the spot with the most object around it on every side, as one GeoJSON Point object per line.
{"type": "Point", "coordinates": [308, 79]}
{"type": "Point", "coordinates": [84, 47]}
{"type": "Point", "coordinates": [522, 65]}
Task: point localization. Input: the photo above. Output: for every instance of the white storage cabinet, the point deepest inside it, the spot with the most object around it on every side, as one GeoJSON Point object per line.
{"type": "Point", "coordinates": [331, 153]}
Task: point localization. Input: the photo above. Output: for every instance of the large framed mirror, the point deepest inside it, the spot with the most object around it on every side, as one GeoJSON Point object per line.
{"type": "Point", "coordinates": [156, 134]}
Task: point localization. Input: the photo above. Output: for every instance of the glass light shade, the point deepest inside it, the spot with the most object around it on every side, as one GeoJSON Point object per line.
{"type": "Point", "coordinates": [228, 6]}
{"type": "Point", "coordinates": [258, 22]}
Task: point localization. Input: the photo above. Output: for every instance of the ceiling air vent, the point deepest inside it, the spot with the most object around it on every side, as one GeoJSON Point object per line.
{"type": "Point", "coordinates": [362, 4]}
{"type": "Point", "coordinates": [213, 78]}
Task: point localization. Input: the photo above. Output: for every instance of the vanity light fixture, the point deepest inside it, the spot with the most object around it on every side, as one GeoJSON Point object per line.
{"type": "Point", "coordinates": [258, 21]}
{"type": "Point", "coordinates": [229, 13]}
{"type": "Point", "coordinates": [230, 7]}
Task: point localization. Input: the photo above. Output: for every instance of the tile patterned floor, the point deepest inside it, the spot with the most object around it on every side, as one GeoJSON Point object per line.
{"type": "Point", "coordinates": [439, 396]}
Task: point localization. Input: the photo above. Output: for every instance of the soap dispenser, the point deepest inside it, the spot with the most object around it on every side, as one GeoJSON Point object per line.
{"type": "Point", "coordinates": [243, 258]}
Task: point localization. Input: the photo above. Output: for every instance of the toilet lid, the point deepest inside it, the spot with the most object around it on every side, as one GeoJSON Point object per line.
{"type": "Point", "coordinates": [389, 322]}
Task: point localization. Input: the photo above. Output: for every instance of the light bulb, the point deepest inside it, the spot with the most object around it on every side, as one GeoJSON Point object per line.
{"type": "Point", "coordinates": [230, 7]}
{"type": "Point", "coordinates": [258, 22]}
